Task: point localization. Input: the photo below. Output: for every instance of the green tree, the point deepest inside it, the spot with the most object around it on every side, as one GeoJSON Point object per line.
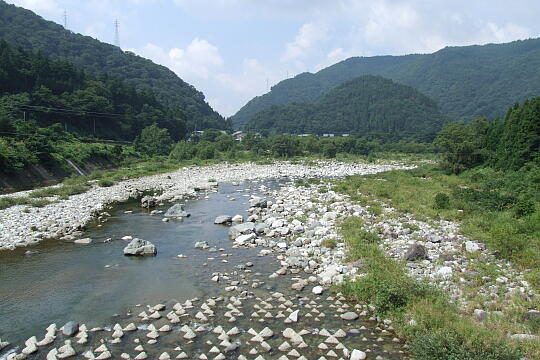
{"type": "Point", "coordinates": [183, 150]}
{"type": "Point", "coordinates": [463, 145]}
{"type": "Point", "coordinates": [224, 142]}
{"type": "Point", "coordinates": [211, 135]}
{"type": "Point", "coordinates": [206, 150]}
{"type": "Point", "coordinates": [153, 141]}
{"type": "Point", "coordinates": [285, 146]}
{"type": "Point", "coordinates": [330, 149]}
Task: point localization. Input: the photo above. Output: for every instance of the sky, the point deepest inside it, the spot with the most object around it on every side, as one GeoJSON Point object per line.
{"type": "Point", "coordinates": [233, 50]}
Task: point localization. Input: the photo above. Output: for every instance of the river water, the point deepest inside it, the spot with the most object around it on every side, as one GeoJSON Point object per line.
{"type": "Point", "coordinates": [61, 281]}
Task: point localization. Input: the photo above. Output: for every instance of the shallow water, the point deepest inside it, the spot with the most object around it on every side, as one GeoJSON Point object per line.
{"type": "Point", "coordinates": [64, 281]}
{"type": "Point", "coordinates": [90, 283]}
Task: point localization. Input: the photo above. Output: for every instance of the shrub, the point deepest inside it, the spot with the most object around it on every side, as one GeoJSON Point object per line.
{"type": "Point", "coordinates": [153, 141]}
{"type": "Point", "coordinates": [105, 182]}
{"type": "Point", "coordinates": [442, 333]}
{"type": "Point", "coordinates": [442, 201]}
{"type": "Point", "coordinates": [524, 208]}
{"type": "Point", "coordinates": [183, 150]}
{"type": "Point", "coordinates": [329, 243]}
{"type": "Point", "coordinates": [206, 150]}
{"type": "Point", "coordinates": [330, 150]}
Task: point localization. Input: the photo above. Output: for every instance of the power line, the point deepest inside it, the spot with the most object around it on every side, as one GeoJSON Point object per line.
{"type": "Point", "coordinates": [116, 33]}
{"type": "Point", "coordinates": [66, 111]}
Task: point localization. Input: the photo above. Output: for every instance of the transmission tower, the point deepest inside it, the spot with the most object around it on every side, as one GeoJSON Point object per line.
{"type": "Point", "coordinates": [65, 19]}
{"type": "Point", "coordinates": [116, 33]}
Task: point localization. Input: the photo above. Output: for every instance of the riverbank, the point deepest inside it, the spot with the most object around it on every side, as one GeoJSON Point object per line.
{"type": "Point", "coordinates": [24, 225]}
{"type": "Point", "coordinates": [446, 292]}
{"type": "Point", "coordinates": [246, 312]}
{"type": "Point", "coordinates": [324, 240]}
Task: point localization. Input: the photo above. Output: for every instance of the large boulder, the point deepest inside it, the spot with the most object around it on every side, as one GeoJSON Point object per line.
{"type": "Point", "coordinates": [223, 219]}
{"type": "Point", "coordinates": [416, 252]}
{"type": "Point", "coordinates": [70, 328]}
{"type": "Point", "coordinates": [139, 247]}
{"type": "Point", "coordinates": [259, 203]}
{"type": "Point", "coordinates": [177, 211]}
{"type": "Point", "coordinates": [241, 229]}
{"type": "Point", "coordinates": [148, 202]}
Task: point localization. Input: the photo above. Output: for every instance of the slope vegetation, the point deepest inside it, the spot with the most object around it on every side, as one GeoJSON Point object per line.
{"type": "Point", "coordinates": [466, 82]}
{"type": "Point", "coordinates": [22, 28]}
{"type": "Point", "coordinates": [367, 104]}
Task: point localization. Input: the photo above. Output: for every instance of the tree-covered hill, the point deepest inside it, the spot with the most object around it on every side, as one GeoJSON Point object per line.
{"type": "Point", "coordinates": [22, 28]}
{"type": "Point", "coordinates": [367, 104]}
{"type": "Point", "coordinates": [35, 89]}
{"type": "Point", "coordinates": [466, 82]}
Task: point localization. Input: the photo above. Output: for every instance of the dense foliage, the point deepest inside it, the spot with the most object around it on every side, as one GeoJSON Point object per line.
{"type": "Point", "coordinates": [33, 87]}
{"type": "Point", "coordinates": [466, 82]}
{"type": "Point", "coordinates": [509, 144]}
{"type": "Point", "coordinates": [364, 105]}
{"type": "Point", "coordinates": [287, 146]}
{"type": "Point", "coordinates": [22, 28]}
{"type": "Point", "coordinates": [50, 147]}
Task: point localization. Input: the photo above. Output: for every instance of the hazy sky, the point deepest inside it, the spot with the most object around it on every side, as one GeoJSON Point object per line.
{"type": "Point", "coordinates": [229, 48]}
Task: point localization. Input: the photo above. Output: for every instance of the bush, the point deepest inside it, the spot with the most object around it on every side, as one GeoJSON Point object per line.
{"type": "Point", "coordinates": [183, 150]}
{"type": "Point", "coordinates": [105, 183]}
{"type": "Point", "coordinates": [387, 287]}
{"type": "Point", "coordinates": [442, 201]}
{"type": "Point", "coordinates": [329, 243]}
{"type": "Point", "coordinates": [330, 150]}
{"type": "Point", "coordinates": [153, 141]}
{"type": "Point", "coordinates": [206, 150]}
{"type": "Point", "coordinates": [524, 208]}
{"type": "Point", "coordinates": [442, 333]}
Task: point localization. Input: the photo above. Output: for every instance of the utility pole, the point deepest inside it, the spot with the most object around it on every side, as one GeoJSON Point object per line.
{"type": "Point", "coordinates": [65, 19]}
{"type": "Point", "coordinates": [116, 33]}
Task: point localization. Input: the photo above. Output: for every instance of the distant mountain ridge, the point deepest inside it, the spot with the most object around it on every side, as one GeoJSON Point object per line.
{"type": "Point", "coordinates": [466, 82]}
{"type": "Point", "coordinates": [22, 28]}
{"type": "Point", "coordinates": [367, 104]}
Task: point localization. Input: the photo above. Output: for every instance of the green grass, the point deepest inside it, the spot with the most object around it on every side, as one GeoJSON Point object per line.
{"type": "Point", "coordinates": [438, 331]}
{"type": "Point", "coordinates": [329, 243]}
{"type": "Point", "coordinates": [8, 201]}
{"type": "Point", "coordinates": [492, 207]}
{"type": "Point", "coordinates": [67, 189]}
{"type": "Point", "coordinates": [486, 210]}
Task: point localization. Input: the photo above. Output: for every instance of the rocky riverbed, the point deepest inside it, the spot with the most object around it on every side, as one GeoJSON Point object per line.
{"type": "Point", "coordinates": [24, 225]}
{"type": "Point", "coordinates": [301, 226]}
{"type": "Point", "coordinates": [291, 312]}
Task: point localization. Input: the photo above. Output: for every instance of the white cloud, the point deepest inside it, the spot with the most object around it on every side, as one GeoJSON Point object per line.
{"type": "Point", "coordinates": [334, 56]}
{"type": "Point", "coordinates": [199, 60]}
{"type": "Point", "coordinates": [308, 36]}
{"type": "Point", "coordinates": [509, 32]}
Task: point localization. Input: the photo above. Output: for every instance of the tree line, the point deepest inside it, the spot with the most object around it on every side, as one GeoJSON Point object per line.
{"type": "Point", "coordinates": [361, 106]}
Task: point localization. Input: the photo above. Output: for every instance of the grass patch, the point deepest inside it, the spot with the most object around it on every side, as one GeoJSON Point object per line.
{"type": "Point", "coordinates": [438, 331]}
{"type": "Point", "coordinates": [8, 201]}
{"type": "Point", "coordinates": [441, 333]}
{"type": "Point", "coordinates": [329, 243]}
{"type": "Point", "coordinates": [67, 189]}
{"type": "Point", "coordinates": [105, 182]}
{"type": "Point", "coordinates": [497, 208]}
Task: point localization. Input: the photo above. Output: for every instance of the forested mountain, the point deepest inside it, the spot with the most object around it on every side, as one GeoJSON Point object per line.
{"type": "Point", "coordinates": [367, 104]}
{"type": "Point", "coordinates": [466, 82]}
{"type": "Point", "coordinates": [23, 28]}
{"type": "Point", "coordinates": [44, 91]}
